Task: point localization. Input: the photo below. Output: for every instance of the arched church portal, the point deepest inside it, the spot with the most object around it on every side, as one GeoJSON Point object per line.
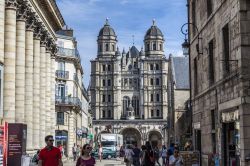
{"type": "Point", "coordinates": [131, 136]}
{"type": "Point", "coordinates": [155, 138]}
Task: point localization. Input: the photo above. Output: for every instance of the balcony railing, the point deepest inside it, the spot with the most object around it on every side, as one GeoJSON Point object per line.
{"type": "Point", "coordinates": [73, 53]}
{"type": "Point", "coordinates": [69, 101]}
{"type": "Point", "coordinates": [62, 74]}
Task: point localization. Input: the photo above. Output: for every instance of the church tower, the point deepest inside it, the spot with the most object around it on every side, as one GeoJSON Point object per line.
{"type": "Point", "coordinates": [153, 41]}
{"type": "Point", "coordinates": [106, 41]}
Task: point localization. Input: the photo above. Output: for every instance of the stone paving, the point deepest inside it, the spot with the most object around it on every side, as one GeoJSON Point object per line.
{"type": "Point", "coordinates": [111, 162]}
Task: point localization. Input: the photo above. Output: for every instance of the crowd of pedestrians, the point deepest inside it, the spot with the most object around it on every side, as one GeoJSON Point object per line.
{"type": "Point", "coordinates": [149, 155]}
{"type": "Point", "coordinates": [132, 155]}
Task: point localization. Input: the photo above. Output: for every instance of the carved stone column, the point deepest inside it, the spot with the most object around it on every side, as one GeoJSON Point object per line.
{"type": "Point", "coordinates": [20, 62]}
{"type": "Point", "coordinates": [29, 42]}
{"type": "Point", "coordinates": [2, 21]}
{"type": "Point", "coordinates": [9, 61]}
{"type": "Point", "coordinates": [53, 83]}
{"type": "Point", "coordinates": [42, 92]}
{"type": "Point", "coordinates": [36, 86]}
{"type": "Point", "coordinates": [48, 92]}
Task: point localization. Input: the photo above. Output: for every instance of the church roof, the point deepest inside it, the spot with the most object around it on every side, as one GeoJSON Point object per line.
{"type": "Point", "coordinates": [107, 30]}
{"type": "Point", "coordinates": [180, 68]}
{"type": "Point", "coordinates": [134, 52]}
{"type": "Point", "coordinates": [153, 31]}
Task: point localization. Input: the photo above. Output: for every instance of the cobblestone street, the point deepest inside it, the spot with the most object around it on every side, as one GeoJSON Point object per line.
{"type": "Point", "coordinates": [112, 162]}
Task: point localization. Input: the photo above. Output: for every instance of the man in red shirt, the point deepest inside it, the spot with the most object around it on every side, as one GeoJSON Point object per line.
{"type": "Point", "coordinates": [50, 155]}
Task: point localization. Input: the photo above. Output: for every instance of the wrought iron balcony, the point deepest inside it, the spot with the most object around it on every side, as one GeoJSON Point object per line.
{"type": "Point", "coordinates": [68, 101]}
{"type": "Point", "coordinates": [61, 74]}
{"type": "Point", "coordinates": [66, 52]}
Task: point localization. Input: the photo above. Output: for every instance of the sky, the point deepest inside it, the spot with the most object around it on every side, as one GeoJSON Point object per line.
{"type": "Point", "coordinates": [127, 18]}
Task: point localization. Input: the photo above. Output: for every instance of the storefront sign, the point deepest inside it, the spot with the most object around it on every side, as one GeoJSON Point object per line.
{"type": "Point", "coordinates": [230, 116]}
{"type": "Point", "coordinates": [61, 137]}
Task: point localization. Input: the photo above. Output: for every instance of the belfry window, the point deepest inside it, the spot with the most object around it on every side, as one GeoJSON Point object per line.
{"type": "Point", "coordinates": [148, 47]}
{"type": "Point", "coordinates": [113, 47]}
{"type": "Point", "coordinates": [107, 47]}
{"type": "Point", "coordinates": [154, 46]}
{"type": "Point", "coordinates": [160, 47]}
{"type": "Point", "coordinates": [152, 97]}
{"type": "Point", "coordinates": [100, 48]}
{"type": "Point", "coordinates": [157, 67]}
{"type": "Point", "coordinates": [157, 97]}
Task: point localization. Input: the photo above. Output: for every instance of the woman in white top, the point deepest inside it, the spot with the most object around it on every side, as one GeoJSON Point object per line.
{"type": "Point", "coordinates": [100, 152]}
{"type": "Point", "coordinates": [129, 156]}
{"type": "Point", "coordinates": [175, 159]}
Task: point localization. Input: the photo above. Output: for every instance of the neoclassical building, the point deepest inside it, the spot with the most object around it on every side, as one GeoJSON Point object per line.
{"type": "Point", "coordinates": [129, 89]}
{"type": "Point", "coordinates": [72, 103]}
{"type": "Point", "coordinates": [27, 57]}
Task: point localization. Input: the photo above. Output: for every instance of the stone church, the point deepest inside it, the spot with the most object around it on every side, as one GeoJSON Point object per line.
{"type": "Point", "coordinates": [129, 88]}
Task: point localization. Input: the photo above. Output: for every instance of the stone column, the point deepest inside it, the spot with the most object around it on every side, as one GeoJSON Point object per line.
{"type": "Point", "coordinates": [20, 63]}
{"type": "Point", "coordinates": [29, 82]}
{"type": "Point", "coordinates": [42, 93]}
{"type": "Point", "coordinates": [9, 61]}
{"type": "Point", "coordinates": [52, 107]}
{"type": "Point", "coordinates": [2, 21]}
{"type": "Point", "coordinates": [36, 88]}
{"type": "Point", "coordinates": [48, 92]}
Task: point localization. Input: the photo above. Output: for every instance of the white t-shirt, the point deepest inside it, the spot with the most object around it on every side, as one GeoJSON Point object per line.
{"type": "Point", "coordinates": [172, 160]}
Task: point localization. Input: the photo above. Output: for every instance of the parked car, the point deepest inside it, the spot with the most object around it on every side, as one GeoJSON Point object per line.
{"type": "Point", "coordinates": [106, 154]}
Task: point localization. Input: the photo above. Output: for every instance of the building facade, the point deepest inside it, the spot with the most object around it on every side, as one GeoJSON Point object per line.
{"type": "Point", "coordinates": [219, 50]}
{"type": "Point", "coordinates": [128, 89]}
{"type": "Point", "coordinates": [71, 97]}
{"type": "Point", "coordinates": [27, 57]}
{"type": "Point", "coordinates": [179, 119]}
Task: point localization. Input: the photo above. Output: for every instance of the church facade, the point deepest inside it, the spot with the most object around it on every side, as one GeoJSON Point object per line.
{"type": "Point", "coordinates": [129, 89]}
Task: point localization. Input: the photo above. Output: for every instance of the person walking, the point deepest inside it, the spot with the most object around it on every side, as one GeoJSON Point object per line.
{"type": "Point", "coordinates": [129, 156]}
{"type": "Point", "coordinates": [122, 153]}
{"type": "Point", "coordinates": [86, 159]}
{"type": "Point", "coordinates": [176, 159]}
{"type": "Point", "coordinates": [148, 156]}
{"type": "Point", "coordinates": [143, 155]}
{"type": "Point", "coordinates": [164, 155]}
{"type": "Point", "coordinates": [136, 156]}
{"type": "Point", "coordinates": [100, 151]}
{"type": "Point", "coordinates": [74, 151]}
{"type": "Point", "coordinates": [157, 155]}
{"type": "Point", "coordinates": [50, 155]}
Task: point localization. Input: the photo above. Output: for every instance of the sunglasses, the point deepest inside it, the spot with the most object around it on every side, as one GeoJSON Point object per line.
{"type": "Point", "coordinates": [51, 140]}
{"type": "Point", "coordinates": [176, 152]}
{"type": "Point", "coordinates": [88, 148]}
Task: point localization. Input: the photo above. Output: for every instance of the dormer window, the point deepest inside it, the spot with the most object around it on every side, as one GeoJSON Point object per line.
{"type": "Point", "coordinates": [107, 47]}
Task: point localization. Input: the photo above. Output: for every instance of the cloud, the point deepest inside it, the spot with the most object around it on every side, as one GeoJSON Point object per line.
{"type": "Point", "coordinates": [127, 17]}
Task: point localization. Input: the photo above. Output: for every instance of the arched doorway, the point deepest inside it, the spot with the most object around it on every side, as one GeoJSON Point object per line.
{"type": "Point", "coordinates": [131, 136]}
{"type": "Point", "coordinates": [155, 138]}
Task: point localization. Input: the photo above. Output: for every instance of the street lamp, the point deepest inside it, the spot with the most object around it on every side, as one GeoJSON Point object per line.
{"type": "Point", "coordinates": [186, 44]}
